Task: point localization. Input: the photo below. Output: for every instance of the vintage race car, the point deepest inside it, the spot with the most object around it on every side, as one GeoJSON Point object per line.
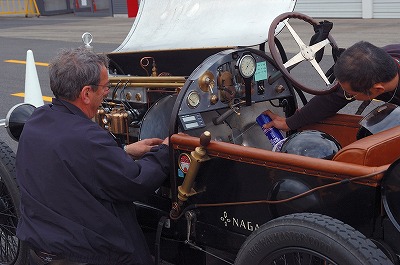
{"type": "Point", "coordinates": [328, 196]}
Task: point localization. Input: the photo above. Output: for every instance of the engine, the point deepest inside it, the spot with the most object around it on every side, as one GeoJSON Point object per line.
{"type": "Point", "coordinates": [131, 97]}
{"type": "Point", "coordinates": [222, 93]}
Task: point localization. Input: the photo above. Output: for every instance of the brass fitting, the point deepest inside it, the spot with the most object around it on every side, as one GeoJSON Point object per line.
{"type": "Point", "coordinates": [199, 155]}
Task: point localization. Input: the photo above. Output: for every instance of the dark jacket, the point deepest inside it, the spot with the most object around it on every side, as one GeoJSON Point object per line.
{"type": "Point", "coordinates": [77, 188]}
{"type": "Point", "coordinates": [321, 107]}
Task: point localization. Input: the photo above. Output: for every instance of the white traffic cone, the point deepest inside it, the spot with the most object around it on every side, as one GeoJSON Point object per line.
{"type": "Point", "coordinates": [33, 93]}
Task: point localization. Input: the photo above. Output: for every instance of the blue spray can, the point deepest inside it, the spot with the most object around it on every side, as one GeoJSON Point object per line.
{"type": "Point", "coordinates": [273, 134]}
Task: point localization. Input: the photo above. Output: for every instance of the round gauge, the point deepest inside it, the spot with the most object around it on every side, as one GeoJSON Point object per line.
{"type": "Point", "coordinates": [247, 66]}
{"type": "Point", "coordinates": [193, 99]}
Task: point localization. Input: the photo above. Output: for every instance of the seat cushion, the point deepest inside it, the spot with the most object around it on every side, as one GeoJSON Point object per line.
{"type": "Point", "coordinates": [375, 150]}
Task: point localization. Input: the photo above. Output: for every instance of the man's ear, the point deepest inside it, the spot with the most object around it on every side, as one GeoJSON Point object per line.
{"type": "Point", "coordinates": [378, 89]}
{"type": "Point", "coordinates": [85, 94]}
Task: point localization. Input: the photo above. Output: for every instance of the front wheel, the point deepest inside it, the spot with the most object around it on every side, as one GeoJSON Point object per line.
{"type": "Point", "coordinates": [308, 238]}
{"type": "Point", "coordinates": [12, 251]}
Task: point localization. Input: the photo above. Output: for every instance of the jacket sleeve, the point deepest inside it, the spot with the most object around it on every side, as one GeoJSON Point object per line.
{"type": "Point", "coordinates": [117, 177]}
{"type": "Point", "coordinates": [317, 109]}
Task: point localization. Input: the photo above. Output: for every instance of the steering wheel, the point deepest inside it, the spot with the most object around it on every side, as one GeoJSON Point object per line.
{"type": "Point", "coordinates": [306, 53]}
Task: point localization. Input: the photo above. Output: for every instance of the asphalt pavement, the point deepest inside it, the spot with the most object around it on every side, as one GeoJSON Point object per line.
{"type": "Point", "coordinates": [113, 30]}
{"type": "Point", "coordinates": [68, 28]}
{"type": "Point", "coordinates": [44, 35]}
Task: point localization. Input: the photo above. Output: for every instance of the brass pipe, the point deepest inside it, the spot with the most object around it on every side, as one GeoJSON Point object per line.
{"type": "Point", "coordinates": [151, 85]}
{"type": "Point", "coordinates": [147, 79]}
{"type": "Point", "coordinates": [186, 189]}
{"type": "Point", "coordinates": [199, 155]}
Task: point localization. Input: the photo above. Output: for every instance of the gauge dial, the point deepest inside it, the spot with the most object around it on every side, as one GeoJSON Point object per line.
{"type": "Point", "coordinates": [247, 66]}
{"type": "Point", "coordinates": [193, 99]}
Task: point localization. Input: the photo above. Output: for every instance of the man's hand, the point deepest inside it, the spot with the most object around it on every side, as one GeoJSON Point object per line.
{"type": "Point", "coordinates": [277, 121]}
{"type": "Point", "coordinates": [138, 149]}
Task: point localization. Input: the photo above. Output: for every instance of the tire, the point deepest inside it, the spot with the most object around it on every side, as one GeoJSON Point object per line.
{"type": "Point", "coordinates": [12, 251]}
{"type": "Point", "coordinates": [308, 238]}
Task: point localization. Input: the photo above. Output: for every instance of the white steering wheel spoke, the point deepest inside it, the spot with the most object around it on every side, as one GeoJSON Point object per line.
{"type": "Point", "coordinates": [319, 70]}
{"type": "Point", "coordinates": [294, 34]}
{"type": "Point", "coordinates": [294, 60]}
{"type": "Point", "coordinates": [318, 46]}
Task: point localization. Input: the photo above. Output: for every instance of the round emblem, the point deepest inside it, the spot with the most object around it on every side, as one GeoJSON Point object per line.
{"type": "Point", "coordinates": [184, 162]}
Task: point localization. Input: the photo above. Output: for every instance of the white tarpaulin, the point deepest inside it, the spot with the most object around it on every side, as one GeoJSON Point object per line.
{"type": "Point", "coordinates": [197, 24]}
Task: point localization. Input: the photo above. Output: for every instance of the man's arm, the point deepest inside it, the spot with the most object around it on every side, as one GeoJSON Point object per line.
{"type": "Point", "coordinates": [317, 109]}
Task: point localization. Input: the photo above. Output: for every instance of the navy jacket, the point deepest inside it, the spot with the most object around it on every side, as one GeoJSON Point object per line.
{"type": "Point", "coordinates": [77, 188]}
{"type": "Point", "coordinates": [324, 106]}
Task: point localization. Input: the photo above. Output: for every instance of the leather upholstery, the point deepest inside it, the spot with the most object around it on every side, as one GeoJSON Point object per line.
{"type": "Point", "coordinates": [343, 127]}
{"type": "Point", "coordinates": [288, 162]}
{"type": "Point", "coordinates": [375, 150]}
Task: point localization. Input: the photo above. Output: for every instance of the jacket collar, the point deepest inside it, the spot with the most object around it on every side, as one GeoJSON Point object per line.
{"type": "Point", "coordinates": [65, 106]}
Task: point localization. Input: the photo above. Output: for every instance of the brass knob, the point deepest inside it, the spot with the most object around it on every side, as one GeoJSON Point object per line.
{"type": "Point", "coordinates": [213, 99]}
{"type": "Point", "coordinates": [205, 138]}
{"type": "Point", "coordinates": [279, 89]}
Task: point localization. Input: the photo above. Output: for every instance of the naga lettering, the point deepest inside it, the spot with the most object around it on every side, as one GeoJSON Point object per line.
{"type": "Point", "coordinates": [240, 223]}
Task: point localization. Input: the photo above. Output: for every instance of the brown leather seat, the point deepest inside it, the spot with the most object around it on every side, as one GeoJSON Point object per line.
{"type": "Point", "coordinates": [375, 150]}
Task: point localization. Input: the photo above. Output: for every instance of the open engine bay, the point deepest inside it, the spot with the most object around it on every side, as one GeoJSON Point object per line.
{"type": "Point", "coordinates": [223, 95]}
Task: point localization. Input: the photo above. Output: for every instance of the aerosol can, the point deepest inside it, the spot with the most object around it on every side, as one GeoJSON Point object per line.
{"type": "Point", "coordinates": [273, 134]}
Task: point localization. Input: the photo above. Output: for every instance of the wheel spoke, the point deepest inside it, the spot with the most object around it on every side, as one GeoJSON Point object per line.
{"type": "Point", "coordinates": [8, 247]}
{"type": "Point", "coordinates": [318, 46]}
{"type": "Point", "coordinates": [319, 70]}
{"type": "Point", "coordinates": [8, 219]}
{"type": "Point", "coordinates": [294, 60]}
{"type": "Point", "coordinates": [299, 258]}
{"type": "Point", "coordinates": [294, 34]}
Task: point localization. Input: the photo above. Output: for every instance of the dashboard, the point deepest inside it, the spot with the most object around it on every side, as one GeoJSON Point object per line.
{"type": "Point", "coordinates": [232, 80]}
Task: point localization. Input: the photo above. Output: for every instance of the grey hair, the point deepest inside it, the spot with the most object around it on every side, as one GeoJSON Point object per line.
{"type": "Point", "coordinates": [72, 69]}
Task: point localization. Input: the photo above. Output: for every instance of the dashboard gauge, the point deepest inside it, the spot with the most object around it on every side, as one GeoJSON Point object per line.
{"type": "Point", "coordinates": [247, 66]}
{"type": "Point", "coordinates": [193, 99]}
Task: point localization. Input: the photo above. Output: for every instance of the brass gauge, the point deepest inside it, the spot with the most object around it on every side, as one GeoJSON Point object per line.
{"type": "Point", "coordinates": [247, 66]}
{"type": "Point", "coordinates": [193, 99]}
{"type": "Point", "coordinates": [206, 81]}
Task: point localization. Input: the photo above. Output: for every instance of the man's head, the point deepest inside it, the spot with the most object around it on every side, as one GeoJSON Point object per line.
{"type": "Point", "coordinates": [365, 71]}
{"type": "Point", "coordinates": [80, 76]}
